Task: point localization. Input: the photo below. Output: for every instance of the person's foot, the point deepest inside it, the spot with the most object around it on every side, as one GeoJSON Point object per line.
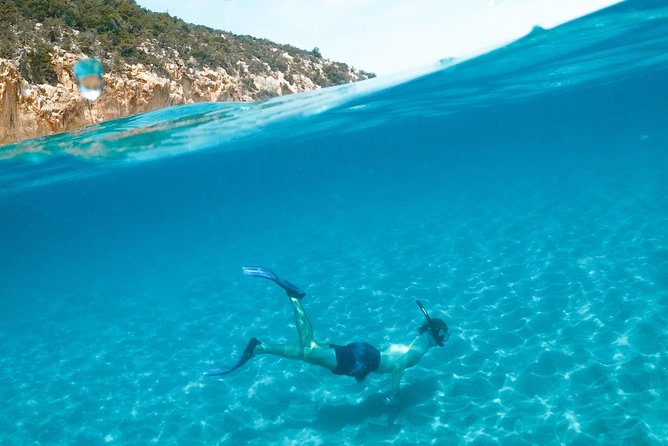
{"type": "Point", "coordinates": [248, 354]}
{"type": "Point", "coordinates": [250, 348]}
{"type": "Point", "coordinates": [291, 289]}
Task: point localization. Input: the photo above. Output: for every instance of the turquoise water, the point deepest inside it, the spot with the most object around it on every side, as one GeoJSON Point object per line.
{"type": "Point", "coordinates": [520, 195]}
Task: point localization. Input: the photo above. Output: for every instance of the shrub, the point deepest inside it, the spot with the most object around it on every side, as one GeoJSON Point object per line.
{"type": "Point", "coordinates": [40, 70]}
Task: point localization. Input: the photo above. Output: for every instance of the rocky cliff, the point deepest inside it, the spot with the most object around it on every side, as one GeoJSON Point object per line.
{"type": "Point", "coordinates": [30, 110]}
{"type": "Point", "coordinates": [163, 62]}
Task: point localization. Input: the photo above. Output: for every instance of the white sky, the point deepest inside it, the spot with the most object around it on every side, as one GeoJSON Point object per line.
{"type": "Point", "coordinates": [381, 36]}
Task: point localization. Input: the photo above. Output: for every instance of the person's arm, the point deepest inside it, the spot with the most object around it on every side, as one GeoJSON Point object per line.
{"type": "Point", "coordinates": [397, 373]}
{"type": "Point", "coordinates": [393, 394]}
{"type": "Point", "coordinates": [408, 359]}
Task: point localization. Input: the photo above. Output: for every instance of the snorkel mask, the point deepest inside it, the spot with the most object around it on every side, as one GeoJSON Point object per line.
{"type": "Point", "coordinates": [435, 325]}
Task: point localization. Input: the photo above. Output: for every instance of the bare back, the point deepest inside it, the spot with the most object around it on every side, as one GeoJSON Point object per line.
{"type": "Point", "coordinates": [404, 356]}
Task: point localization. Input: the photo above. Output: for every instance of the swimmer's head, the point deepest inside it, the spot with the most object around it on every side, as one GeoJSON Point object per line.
{"type": "Point", "coordinates": [437, 328]}
{"type": "Point", "coordinates": [442, 334]}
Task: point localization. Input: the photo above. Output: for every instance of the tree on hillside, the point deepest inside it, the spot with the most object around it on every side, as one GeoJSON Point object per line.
{"type": "Point", "coordinates": [9, 13]}
{"type": "Point", "coordinates": [36, 67]}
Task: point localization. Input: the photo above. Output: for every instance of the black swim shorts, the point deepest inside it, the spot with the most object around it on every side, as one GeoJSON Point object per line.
{"type": "Point", "coordinates": [356, 359]}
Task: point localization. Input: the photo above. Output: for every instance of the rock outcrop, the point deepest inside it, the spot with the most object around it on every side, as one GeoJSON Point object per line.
{"type": "Point", "coordinates": [30, 110]}
{"type": "Point", "coordinates": [151, 60]}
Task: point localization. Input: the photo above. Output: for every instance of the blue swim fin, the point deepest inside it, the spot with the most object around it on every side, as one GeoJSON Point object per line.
{"type": "Point", "coordinates": [219, 372]}
{"type": "Point", "coordinates": [290, 289]}
{"type": "Point", "coordinates": [258, 271]}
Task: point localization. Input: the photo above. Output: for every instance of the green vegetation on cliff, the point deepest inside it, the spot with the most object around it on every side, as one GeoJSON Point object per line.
{"type": "Point", "coordinates": [119, 32]}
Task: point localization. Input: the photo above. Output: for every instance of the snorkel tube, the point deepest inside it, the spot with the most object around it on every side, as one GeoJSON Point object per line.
{"type": "Point", "coordinates": [434, 325]}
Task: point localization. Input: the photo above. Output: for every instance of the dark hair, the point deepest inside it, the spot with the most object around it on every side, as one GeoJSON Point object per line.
{"type": "Point", "coordinates": [439, 324]}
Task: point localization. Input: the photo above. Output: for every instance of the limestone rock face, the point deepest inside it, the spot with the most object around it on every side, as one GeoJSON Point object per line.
{"type": "Point", "coordinates": [9, 94]}
{"type": "Point", "coordinates": [37, 110]}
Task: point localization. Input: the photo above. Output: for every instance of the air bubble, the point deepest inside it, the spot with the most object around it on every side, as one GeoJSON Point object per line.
{"type": "Point", "coordinates": [88, 73]}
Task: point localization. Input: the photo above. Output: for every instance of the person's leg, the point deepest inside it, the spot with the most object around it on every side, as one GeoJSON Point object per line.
{"type": "Point", "coordinates": [307, 349]}
{"type": "Point", "coordinates": [304, 332]}
{"type": "Point", "coordinates": [289, 351]}
{"type": "Point", "coordinates": [304, 328]}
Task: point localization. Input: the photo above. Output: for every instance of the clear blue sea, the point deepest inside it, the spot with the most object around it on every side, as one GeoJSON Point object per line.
{"type": "Point", "coordinates": [521, 195]}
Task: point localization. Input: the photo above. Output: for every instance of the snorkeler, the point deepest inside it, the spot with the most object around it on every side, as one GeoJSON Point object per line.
{"type": "Point", "coordinates": [356, 359]}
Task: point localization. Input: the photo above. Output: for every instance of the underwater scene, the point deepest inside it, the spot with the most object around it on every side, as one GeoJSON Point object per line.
{"type": "Point", "coordinates": [521, 196]}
